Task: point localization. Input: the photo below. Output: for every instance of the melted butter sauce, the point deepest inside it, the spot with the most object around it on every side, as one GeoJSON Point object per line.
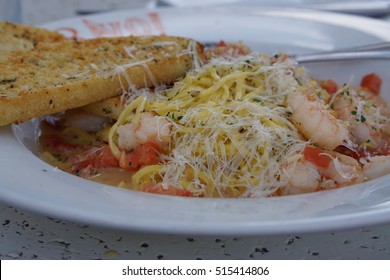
{"type": "Point", "coordinates": [59, 157]}
{"type": "Point", "coordinates": [114, 177]}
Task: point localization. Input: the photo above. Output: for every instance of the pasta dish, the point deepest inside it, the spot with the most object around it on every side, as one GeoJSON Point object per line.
{"type": "Point", "coordinates": [241, 125]}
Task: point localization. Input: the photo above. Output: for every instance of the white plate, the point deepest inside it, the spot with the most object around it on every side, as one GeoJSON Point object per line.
{"type": "Point", "coordinates": [375, 8]}
{"type": "Point", "coordinates": [28, 182]}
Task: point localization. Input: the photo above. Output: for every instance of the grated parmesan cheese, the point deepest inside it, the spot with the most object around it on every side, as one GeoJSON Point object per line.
{"type": "Point", "coordinates": [230, 130]}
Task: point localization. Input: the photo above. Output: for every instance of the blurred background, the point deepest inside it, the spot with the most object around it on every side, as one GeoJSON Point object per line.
{"type": "Point", "coordinates": [35, 12]}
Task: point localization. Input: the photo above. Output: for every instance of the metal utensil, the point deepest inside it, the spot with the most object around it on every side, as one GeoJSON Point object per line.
{"type": "Point", "coordinates": [373, 51]}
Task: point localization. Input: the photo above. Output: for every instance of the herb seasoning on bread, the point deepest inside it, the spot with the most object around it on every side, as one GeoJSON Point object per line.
{"type": "Point", "coordinates": [55, 75]}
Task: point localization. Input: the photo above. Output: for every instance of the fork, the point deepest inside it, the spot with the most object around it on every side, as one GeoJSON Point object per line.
{"type": "Point", "coordinates": [373, 51]}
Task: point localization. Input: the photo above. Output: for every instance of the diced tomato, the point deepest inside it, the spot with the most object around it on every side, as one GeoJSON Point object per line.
{"type": "Point", "coordinates": [148, 154]}
{"type": "Point", "coordinates": [102, 158]}
{"type": "Point", "coordinates": [280, 57]}
{"type": "Point", "coordinates": [221, 44]}
{"type": "Point", "coordinates": [56, 145]}
{"type": "Point", "coordinates": [330, 86]}
{"type": "Point", "coordinates": [372, 82]}
{"type": "Point", "coordinates": [316, 156]}
{"type": "Point", "coordinates": [223, 49]}
{"type": "Point", "coordinates": [105, 158]}
{"type": "Point", "coordinates": [384, 151]}
{"type": "Point", "coordinates": [144, 154]}
{"type": "Point", "coordinates": [129, 161]}
{"type": "Point", "coordinates": [81, 165]}
{"type": "Point", "coordinates": [354, 153]}
{"type": "Point", "coordinates": [363, 152]}
{"type": "Point", "coordinates": [170, 190]}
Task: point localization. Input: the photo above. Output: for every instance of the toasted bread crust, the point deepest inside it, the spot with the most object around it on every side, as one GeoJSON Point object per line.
{"type": "Point", "coordinates": [68, 74]}
{"type": "Point", "coordinates": [110, 107]}
{"type": "Point", "coordinates": [17, 37]}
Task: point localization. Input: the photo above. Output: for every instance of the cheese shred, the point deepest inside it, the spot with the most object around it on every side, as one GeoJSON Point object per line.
{"type": "Point", "coordinates": [230, 129]}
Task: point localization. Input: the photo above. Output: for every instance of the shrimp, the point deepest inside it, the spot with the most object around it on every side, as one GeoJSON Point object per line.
{"type": "Point", "coordinates": [150, 128]}
{"type": "Point", "coordinates": [368, 116]}
{"type": "Point", "coordinates": [316, 122]}
{"type": "Point", "coordinates": [377, 166]}
{"type": "Point", "coordinates": [300, 176]}
{"type": "Point", "coordinates": [305, 173]}
{"type": "Point", "coordinates": [343, 171]}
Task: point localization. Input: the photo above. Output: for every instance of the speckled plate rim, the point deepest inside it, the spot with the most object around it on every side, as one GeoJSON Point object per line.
{"type": "Point", "coordinates": [30, 183]}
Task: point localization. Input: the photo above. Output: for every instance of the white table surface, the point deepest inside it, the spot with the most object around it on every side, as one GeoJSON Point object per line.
{"type": "Point", "coordinates": [27, 235]}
